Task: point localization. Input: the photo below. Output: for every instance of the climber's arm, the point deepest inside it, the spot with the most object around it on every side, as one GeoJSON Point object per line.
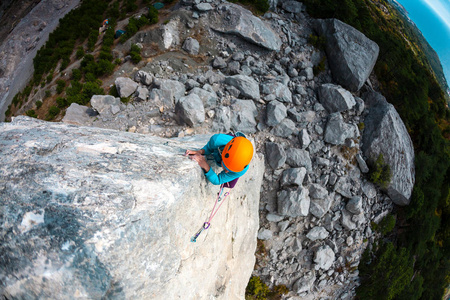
{"type": "Point", "coordinates": [221, 178]}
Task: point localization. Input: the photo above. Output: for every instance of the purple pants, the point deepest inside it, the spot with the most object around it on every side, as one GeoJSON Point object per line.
{"type": "Point", "coordinates": [230, 184]}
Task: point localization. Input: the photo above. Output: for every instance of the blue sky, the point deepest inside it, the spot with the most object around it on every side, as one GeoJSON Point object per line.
{"type": "Point", "coordinates": [432, 17]}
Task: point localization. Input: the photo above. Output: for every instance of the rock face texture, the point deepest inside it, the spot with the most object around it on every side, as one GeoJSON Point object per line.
{"type": "Point", "coordinates": [351, 54]}
{"type": "Point", "coordinates": [93, 213]}
{"type": "Point", "coordinates": [385, 133]}
{"type": "Point", "coordinates": [240, 21]}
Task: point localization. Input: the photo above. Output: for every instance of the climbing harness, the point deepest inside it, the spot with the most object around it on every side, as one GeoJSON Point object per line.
{"type": "Point", "coordinates": [213, 212]}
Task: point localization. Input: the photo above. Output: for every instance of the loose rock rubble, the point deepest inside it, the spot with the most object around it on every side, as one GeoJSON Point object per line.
{"type": "Point", "coordinates": [316, 204]}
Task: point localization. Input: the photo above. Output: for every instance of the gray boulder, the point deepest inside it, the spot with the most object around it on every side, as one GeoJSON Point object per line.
{"type": "Point", "coordinates": [222, 119]}
{"type": "Point", "coordinates": [319, 207]}
{"type": "Point", "coordinates": [284, 129]}
{"type": "Point", "coordinates": [317, 233]}
{"type": "Point", "coordinates": [143, 77]}
{"type": "Point", "coordinates": [293, 6]}
{"type": "Point", "coordinates": [219, 63]}
{"type": "Point", "coordinates": [298, 158]}
{"type": "Point", "coordinates": [275, 155]}
{"type": "Point", "coordinates": [324, 257]}
{"type": "Point", "coordinates": [191, 46]}
{"type": "Point", "coordinates": [275, 113]}
{"type": "Point", "coordinates": [142, 93]}
{"type": "Point", "coordinates": [77, 115]}
{"type": "Point", "coordinates": [172, 88]}
{"type": "Point", "coordinates": [362, 163]}
{"type": "Point", "coordinates": [248, 87]}
{"type": "Point", "coordinates": [125, 86]}
{"type": "Point", "coordinates": [243, 114]}
{"type": "Point", "coordinates": [203, 7]}
{"type": "Point", "coordinates": [385, 133]}
{"type": "Point", "coordinates": [107, 214]}
{"type": "Point", "coordinates": [316, 191]}
{"type": "Point", "coordinates": [304, 138]}
{"type": "Point", "coordinates": [335, 99]}
{"type": "Point", "coordinates": [343, 186]}
{"type": "Point", "coordinates": [264, 234]}
{"type": "Point", "coordinates": [354, 205]}
{"type": "Point", "coordinates": [346, 220]}
{"type": "Point", "coordinates": [105, 104]}
{"type": "Point", "coordinates": [209, 98]}
{"type": "Point", "coordinates": [293, 176]}
{"type": "Point", "coordinates": [190, 110]}
{"type": "Point", "coordinates": [337, 131]}
{"type": "Point", "coordinates": [233, 19]}
{"type": "Point", "coordinates": [351, 54]}
{"type": "Point", "coordinates": [191, 83]}
{"type": "Point", "coordinates": [281, 91]}
{"type": "Point", "coordinates": [160, 98]}
{"type": "Point", "coordinates": [293, 203]}
{"type": "Point", "coordinates": [305, 283]}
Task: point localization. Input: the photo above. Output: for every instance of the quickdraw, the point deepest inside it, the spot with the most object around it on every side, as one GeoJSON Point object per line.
{"type": "Point", "coordinates": [213, 213]}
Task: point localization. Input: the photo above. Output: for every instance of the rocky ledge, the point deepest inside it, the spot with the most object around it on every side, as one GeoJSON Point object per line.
{"type": "Point", "coordinates": [92, 213]}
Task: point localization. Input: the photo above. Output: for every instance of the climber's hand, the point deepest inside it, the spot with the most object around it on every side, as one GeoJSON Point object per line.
{"type": "Point", "coordinates": [201, 160]}
{"type": "Point", "coordinates": [194, 152]}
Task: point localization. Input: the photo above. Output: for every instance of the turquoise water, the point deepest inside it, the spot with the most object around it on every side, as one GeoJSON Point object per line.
{"type": "Point", "coordinates": [432, 17]}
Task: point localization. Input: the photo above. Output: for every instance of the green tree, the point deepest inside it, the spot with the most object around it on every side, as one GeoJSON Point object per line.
{"type": "Point", "coordinates": [60, 86]}
{"type": "Point", "coordinates": [388, 274]}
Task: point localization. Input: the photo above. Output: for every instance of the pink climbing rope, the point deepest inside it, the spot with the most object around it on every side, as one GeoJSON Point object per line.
{"type": "Point", "coordinates": [213, 213]}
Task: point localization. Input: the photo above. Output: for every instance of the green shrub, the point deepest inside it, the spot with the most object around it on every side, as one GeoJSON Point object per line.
{"type": "Point", "coordinates": [380, 173]}
{"type": "Point", "coordinates": [130, 5]}
{"type": "Point", "coordinates": [62, 102]}
{"type": "Point", "coordinates": [135, 54]}
{"type": "Point", "coordinates": [31, 113]}
{"type": "Point", "coordinates": [256, 289]}
{"type": "Point", "coordinates": [388, 274]}
{"type": "Point", "coordinates": [125, 99]}
{"type": "Point", "coordinates": [64, 64]}
{"type": "Point", "coordinates": [27, 90]}
{"type": "Point", "coordinates": [8, 111]}
{"type": "Point", "coordinates": [117, 61]}
{"type": "Point", "coordinates": [80, 52]}
{"type": "Point", "coordinates": [90, 77]}
{"type": "Point", "coordinates": [53, 111]}
{"type": "Point", "coordinates": [60, 86]}
{"type": "Point", "coordinates": [92, 39]}
{"type": "Point", "coordinates": [48, 94]}
{"type": "Point", "coordinates": [318, 42]}
{"type": "Point", "coordinates": [90, 89]}
{"type": "Point", "coordinates": [16, 99]}
{"type": "Point", "coordinates": [38, 104]}
{"type": "Point", "coordinates": [76, 74]}
{"type": "Point", "coordinates": [106, 55]}
{"type": "Point", "coordinates": [361, 126]}
{"type": "Point", "coordinates": [262, 6]}
{"type": "Point", "coordinates": [152, 15]}
{"type": "Point", "coordinates": [104, 67]}
{"type": "Point", "coordinates": [113, 91]}
{"type": "Point", "coordinates": [385, 226]}
{"type": "Point", "coordinates": [49, 77]}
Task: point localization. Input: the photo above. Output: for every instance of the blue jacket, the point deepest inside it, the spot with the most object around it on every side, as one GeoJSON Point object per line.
{"type": "Point", "coordinates": [217, 142]}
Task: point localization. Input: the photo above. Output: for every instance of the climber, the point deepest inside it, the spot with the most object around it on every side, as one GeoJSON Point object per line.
{"type": "Point", "coordinates": [104, 26]}
{"type": "Point", "coordinates": [232, 152]}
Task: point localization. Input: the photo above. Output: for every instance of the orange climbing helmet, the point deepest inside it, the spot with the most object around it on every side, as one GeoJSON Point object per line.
{"type": "Point", "coordinates": [237, 154]}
